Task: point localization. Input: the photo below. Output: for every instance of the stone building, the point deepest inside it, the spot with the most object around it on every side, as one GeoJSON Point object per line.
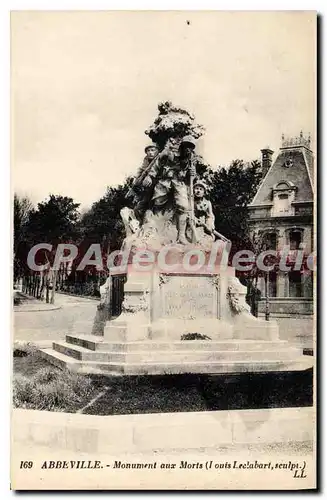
{"type": "Point", "coordinates": [281, 216]}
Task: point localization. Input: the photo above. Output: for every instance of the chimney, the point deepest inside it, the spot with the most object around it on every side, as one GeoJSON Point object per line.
{"type": "Point", "coordinates": [266, 159]}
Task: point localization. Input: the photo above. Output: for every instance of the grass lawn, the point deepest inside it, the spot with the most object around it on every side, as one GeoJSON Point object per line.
{"type": "Point", "coordinates": [190, 392]}
{"type": "Point", "coordinates": [28, 365]}
{"type": "Point", "coordinates": [39, 385]}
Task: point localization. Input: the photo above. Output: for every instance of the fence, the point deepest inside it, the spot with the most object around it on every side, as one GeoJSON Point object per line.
{"type": "Point", "coordinates": [117, 295]}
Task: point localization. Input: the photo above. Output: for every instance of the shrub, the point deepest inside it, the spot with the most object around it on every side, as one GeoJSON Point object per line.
{"type": "Point", "coordinates": [17, 300]}
{"type": "Point", "coordinates": [23, 391]}
{"type": "Point", "coordinates": [22, 349]}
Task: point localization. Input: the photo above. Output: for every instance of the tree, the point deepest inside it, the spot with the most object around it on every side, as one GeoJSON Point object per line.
{"type": "Point", "coordinates": [23, 208]}
{"type": "Point", "coordinates": [232, 189]}
{"type": "Point", "coordinates": [54, 221]}
{"type": "Point", "coordinates": [102, 223]}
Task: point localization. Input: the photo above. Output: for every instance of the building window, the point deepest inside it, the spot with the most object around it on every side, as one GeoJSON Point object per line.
{"type": "Point", "coordinates": [295, 239]}
{"type": "Point", "coordinates": [270, 241]}
{"type": "Point", "coordinates": [295, 284]}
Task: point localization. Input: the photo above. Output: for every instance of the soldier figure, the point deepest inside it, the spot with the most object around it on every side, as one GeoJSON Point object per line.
{"type": "Point", "coordinates": [169, 176]}
{"type": "Point", "coordinates": [141, 198]}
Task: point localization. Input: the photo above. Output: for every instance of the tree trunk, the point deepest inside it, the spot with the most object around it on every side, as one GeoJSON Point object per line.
{"type": "Point", "coordinates": [53, 291]}
{"type": "Point", "coordinates": [47, 291]}
{"type": "Point", "coordinates": [44, 284]}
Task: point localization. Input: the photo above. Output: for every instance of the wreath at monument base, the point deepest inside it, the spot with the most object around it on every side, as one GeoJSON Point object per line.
{"type": "Point", "coordinates": [195, 336]}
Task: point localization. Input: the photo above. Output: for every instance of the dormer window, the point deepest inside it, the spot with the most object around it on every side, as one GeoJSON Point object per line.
{"type": "Point", "coordinates": [283, 196]}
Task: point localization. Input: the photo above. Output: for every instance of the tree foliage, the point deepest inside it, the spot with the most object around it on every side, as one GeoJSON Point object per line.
{"type": "Point", "coordinates": [55, 220]}
{"type": "Point", "coordinates": [102, 223]}
{"type": "Point", "coordinates": [232, 189]}
{"type": "Point", "coordinates": [22, 209]}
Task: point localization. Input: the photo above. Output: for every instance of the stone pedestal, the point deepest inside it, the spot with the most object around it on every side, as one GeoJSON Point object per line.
{"type": "Point", "coordinates": [167, 306]}
{"type": "Point", "coordinates": [181, 323]}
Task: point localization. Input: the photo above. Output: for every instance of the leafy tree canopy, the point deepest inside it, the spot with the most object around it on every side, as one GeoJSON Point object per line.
{"type": "Point", "coordinates": [232, 189]}
{"type": "Point", "coordinates": [102, 223]}
{"type": "Point", "coordinates": [55, 220]}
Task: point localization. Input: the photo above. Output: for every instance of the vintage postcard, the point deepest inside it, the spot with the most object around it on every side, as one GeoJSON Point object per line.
{"type": "Point", "coordinates": [164, 250]}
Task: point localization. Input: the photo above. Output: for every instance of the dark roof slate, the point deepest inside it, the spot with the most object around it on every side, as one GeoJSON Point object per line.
{"type": "Point", "coordinates": [298, 173]}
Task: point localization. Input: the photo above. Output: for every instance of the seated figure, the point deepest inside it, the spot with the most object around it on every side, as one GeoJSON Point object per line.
{"type": "Point", "coordinates": [203, 213]}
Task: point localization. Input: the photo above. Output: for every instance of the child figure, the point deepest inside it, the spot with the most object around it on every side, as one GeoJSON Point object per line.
{"type": "Point", "coordinates": [203, 212]}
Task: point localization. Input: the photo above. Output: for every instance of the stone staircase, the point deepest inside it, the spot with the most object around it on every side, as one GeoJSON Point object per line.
{"type": "Point", "coordinates": [98, 355]}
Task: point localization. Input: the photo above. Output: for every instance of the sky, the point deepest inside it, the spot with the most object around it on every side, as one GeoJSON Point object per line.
{"type": "Point", "coordinates": [85, 86]}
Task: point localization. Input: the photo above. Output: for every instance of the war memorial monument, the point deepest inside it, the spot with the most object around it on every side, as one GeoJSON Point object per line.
{"type": "Point", "coordinates": [183, 310]}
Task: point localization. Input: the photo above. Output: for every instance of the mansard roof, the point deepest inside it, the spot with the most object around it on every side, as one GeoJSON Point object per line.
{"type": "Point", "coordinates": [292, 165]}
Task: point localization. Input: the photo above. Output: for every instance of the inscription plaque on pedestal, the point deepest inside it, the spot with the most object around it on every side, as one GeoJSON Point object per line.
{"type": "Point", "coordinates": [189, 296]}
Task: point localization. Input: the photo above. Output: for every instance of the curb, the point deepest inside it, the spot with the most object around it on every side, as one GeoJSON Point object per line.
{"type": "Point", "coordinates": [79, 296]}
{"type": "Point", "coordinates": [37, 309]}
{"type": "Point", "coordinates": [41, 344]}
{"type": "Point", "coordinates": [166, 431]}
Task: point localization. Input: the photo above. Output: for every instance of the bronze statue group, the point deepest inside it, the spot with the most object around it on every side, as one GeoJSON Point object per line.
{"type": "Point", "coordinates": [168, 181]}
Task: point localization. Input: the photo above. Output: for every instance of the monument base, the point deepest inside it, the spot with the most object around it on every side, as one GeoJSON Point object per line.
{"type": "Point", "coordinates": [88, 354]}
{"type": "Point", "coordinates": [181, 323]}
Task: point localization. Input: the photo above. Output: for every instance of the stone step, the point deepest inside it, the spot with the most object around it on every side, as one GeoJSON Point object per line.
{"type": "Point", "coordinates": [98, 343]}
{"type": "Point", "coordinates": [60, 360]}
{"type": "Point", "coordinates": [156, 355]}
{"type": "Point", "coordinates": [78, 352]}
{"type": "Point", "coordinates": [165, 368]}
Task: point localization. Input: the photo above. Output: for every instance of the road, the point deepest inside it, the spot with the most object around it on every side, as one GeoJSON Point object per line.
{"type": "Point", "coordinates": [74, 313]}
